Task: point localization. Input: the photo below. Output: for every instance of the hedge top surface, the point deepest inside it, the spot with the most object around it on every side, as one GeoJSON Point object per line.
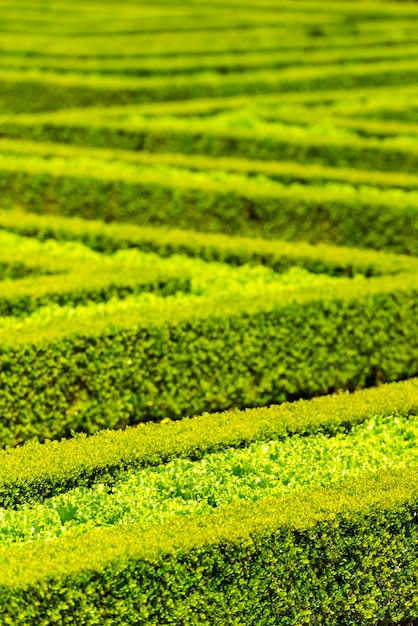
{"type": "Point", "coordinates": [92, 459]}
{"type": "Point", "coordinates": [96, 550]}
{"type": "Point", "coordinates": [234, 250]}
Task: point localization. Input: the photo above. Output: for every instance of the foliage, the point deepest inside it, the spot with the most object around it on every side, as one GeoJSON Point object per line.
{"type": "Point", "coordinates": [34, 472]}
{"type": "Point", "coordinates": [185, 487]}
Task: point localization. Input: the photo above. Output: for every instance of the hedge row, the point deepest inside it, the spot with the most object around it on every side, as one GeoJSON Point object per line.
{"type": "Point", "coordinates": [184, 487]}
{"type": "Point", "coordinates": [60, 91]}
{"type": "Point", "coordinates": [203, 107]}
{"type": "Point", "coordinates": [342, 555]}
{"type": "Point", "coordinates": [274, 38]}
{"type": "Point", "coordinates": [222, 63]}
{"type": "Point", "coordinates": [285, 172]}
{"type": "Point", "coordinates": [396, 111]}
{"type": "Point", "coordinates": [111, 370]}
{"type": "Point", "coordinates": [12, 269]}
{"type": "Point", "coordinates": [279, 255]}
{"type": "Point", "coordinates": [168, 43]}
{"type": "Point", "coordinates": [378, 219]}
{"type": "Point", "coordinates": [140, 22]}
{"type": "Point", "coordinates": [34, 472]}
{"type": "Point", "coordinates": [97, 278]}
{"type": "Point", "coordinates": [362, 127]}
{"type": "Point", "coordinates": [198, 137]}
{"type": "Point", "coordinates": [376, 105]}
{"type": "Point", "coordinates": [187, 20]}
{"type": "Point", "coordinates": [83, 283]}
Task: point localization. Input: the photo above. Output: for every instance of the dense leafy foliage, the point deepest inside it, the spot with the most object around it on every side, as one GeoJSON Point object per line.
{"type": "Point", "coordinates": [184, 487]}
{"type": "Point", "coordinates": [36, 471]}
{"type": "Point", "coordinates": [182, 162]}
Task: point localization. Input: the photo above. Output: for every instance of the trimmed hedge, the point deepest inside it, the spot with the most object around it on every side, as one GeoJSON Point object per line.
{"type": "Point", "coordinates": [195, 137]}
{"type": "Point", "coordinates": [378, 219]}
{"type": "Point", "coordinates": [26, 296]}
{"type": "Point", "coordinates": [204, 107]}
{"type": "Point", "coordinates": [107, 372]}
{"type": "Point", "coordinates": [79, 283]}
{"type": "Point", "coordinates": [337, 556]}
{"type": "Point", "coordinates": [223, 63]}
{"type": "Point", "coordinates": [362, 127]}
{"type": "Point", "coordinates": [286, 172]}
{"type": "Point", "coordinates": [185, 487]}
{"type": "Point", "coordinates": [33, 472]}
{"type": "Point", "coordinates": [341, 555]}
{"type": "Point", "coordinates": [279, 255]}
{"type": "Point", "coordinates": [65, 91]}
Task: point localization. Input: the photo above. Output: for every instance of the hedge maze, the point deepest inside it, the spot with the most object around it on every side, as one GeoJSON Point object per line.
{"type": "Point", "coordinates": [209, 313]}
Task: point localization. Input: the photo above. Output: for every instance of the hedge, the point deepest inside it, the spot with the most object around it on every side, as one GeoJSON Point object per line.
{"type": "Point", "coordinates": [223, 63]}
{"type": "Point", "coordinates": [197, 137]}
{"type": "Point", "coordinates": [378, 219]}
{"type": "Point", "coordinates": [342, 555]}
{"type": "Point", "coordinates": [107, 370]}
{"type": "Point", "coordinates": [65, 91]}
{"type": "Point", "coordinates": [284, 171]}
{"type": "Point", "coordinates": [34, 472]}
{"type": "Point", "coordinates": [279, 255]}
{"type": "Point", "coordinates": [341, 120]}
{"type": "Point", "coordinates": [70, 281]}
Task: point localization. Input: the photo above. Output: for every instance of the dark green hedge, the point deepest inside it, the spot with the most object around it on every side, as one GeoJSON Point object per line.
{"type": "Point", "coordinates": [84, 284]}
{"type": "Point", "coordinates": [235, 250]}
{"type": "Point", "coordinates": [210, 357]}
{"type": "Point", "coordinates": [49, 91]}
{"type": "Point", "coordinates": [37, 471]}
{"type": "Point", "coordinates": [154, 136]}
{"type": "Point", "coordinates": [338, 556]}
{"type": "Point", "coordinates": [308, 214]}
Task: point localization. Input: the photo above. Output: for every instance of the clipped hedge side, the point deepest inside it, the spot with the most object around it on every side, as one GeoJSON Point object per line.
{"type": "Point", "coordinates": [81, 283]}
{"type": "Point", "coordinates": [226, 63]}
{"type": "Point", "coordinates": [364, 127]}
{"type": "Point", "coordinates": [86, 376]}
{"type": "Point", "coordinates": [285, 172]}
{"type": "Point", "coordinates": [307, 213]}
{"type": "Point", "coordinates": [37, 471]}
{"type": "Point", "coordinates": [153, 135]}
{"type": "Point", "coordinates": [279, 255]}
{"type": "Point", "coordinates": [34, 91]}
{"type": "Point", "coordinates": [23, 298]}
{"type": "Point", "coordinates": [339, 556]}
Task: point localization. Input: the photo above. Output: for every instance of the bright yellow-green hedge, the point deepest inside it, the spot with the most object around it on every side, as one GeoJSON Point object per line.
{"type": "Point", "coordinates": [279, 255]}
{"type": "Point", "coordinates": [37, 471]}
{"type": "Point", "coordinates": [365, 218]}
{"type": "Point", "coordinates": [34, 91]}
{"type": "Point", "coordinates": [341, 555]}
{"type": "Point", "coordinates": [102, 371]}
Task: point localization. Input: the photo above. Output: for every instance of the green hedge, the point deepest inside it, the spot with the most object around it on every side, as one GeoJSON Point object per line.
{"type": "Point", "coordinates": [316, 27]}
{"type": "Point", "coordinates": [286, 172]}
{"type": "Point", "coordinates": [26, 296]}
{"type": "Point", "coordinates": [47, 279]}
{"type": "Point", "coordinates": [377, 219]}
{"type": "Point", "coordinates": [13, 269]}
{"type": "Point", "coordinates": [33, 472]}
{"type": "Point", "coordinates": [65, 91]}
{"type": "Point", "coordinates": [176, 44]}
{"type": "Point", "coordinates": [195, 137]}
{"type": "Point", "coordinates": [279, 255]}
{"type": "Point", "coordinates": [204, 107]}
{"type": "Point", "coordinates": [110, 371]}
{"type": "Point", "coordinates": [362, 127]}
{"type": "Point", "coordinates": [339, 556]}
{"type": "Point", "coordinates": [223, 63]}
